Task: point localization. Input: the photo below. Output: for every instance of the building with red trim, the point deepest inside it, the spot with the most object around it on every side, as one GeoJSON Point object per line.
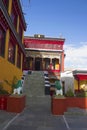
{"type": "Point", "coordinates": [12, 52]}
{"type": "Point", "coordinates": [44, 53]}
{"type": "Point", "coordinates": [80, 77]}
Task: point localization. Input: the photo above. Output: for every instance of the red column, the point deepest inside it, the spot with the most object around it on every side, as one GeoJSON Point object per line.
{"type": "Point", "coordinates": [62, 61]}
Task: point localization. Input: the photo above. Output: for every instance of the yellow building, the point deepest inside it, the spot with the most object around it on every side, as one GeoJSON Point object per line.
{"type": "Point", "coordinates": [80, 80]}
{"type": "Point", "coordinates": [12, 27]}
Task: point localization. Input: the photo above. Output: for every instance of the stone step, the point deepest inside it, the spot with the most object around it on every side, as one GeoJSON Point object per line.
{"type": "Point", "coordinates": [34, 84]}
{"type": "Point", "coordinates": [34, 88]}
{"type": "Point", "coordinates": [39, 100]}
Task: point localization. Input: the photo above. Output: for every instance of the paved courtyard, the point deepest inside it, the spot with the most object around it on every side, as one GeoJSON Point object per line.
{"type": "Point", "coordinates": [39, 117]}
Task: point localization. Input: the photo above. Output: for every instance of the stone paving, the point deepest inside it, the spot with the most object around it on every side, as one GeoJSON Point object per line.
{"type": "Point", "coordinates": [37, 117]}
{"type": "Point", "coordinates": [5, 118]}
{"type": "Point", "coordinates": [77, 122]}
{"type": "Point", "coordinates": [37, 114]}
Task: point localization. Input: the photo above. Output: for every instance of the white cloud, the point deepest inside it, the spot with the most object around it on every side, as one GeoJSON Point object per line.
{"type": "Point", "coordinates": [76, 56]}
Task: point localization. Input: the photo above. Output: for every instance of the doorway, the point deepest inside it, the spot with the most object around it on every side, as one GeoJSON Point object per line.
{"type": "Point", "coordinates": [37, 64]}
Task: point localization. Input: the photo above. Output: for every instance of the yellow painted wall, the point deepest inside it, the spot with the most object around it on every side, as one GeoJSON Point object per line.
{"type": "Point", "coordinates": [7, 72]}
{"type": "Point", "coordinates": [75, 84]}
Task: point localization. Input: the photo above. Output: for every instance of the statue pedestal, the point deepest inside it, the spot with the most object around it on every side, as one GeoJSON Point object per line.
{"type": "Point", "coordinates": [16, 103]}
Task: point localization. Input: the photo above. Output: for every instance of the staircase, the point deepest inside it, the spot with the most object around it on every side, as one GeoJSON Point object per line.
{"type": "Point", "coordinates": [34, 88]}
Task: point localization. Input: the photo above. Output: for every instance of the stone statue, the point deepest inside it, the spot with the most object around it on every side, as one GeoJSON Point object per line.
{"type": "Point", "coordinates": [18, 88]}
{"type": "Point", "coordinates": [58, 87]}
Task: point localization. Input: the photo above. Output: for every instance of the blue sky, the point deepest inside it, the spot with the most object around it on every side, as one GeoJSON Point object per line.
{"type": "Point", "coordinates": [55, 18]}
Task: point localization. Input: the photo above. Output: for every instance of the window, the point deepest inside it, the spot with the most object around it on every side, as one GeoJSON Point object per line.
{"type": "Point", "coordinates": [14, 16]}
{"type": "Point", "coordinates": [6, 3]}
{"type": "Point", "coordinates": [47, 63]}
{"type": "Point", "coordinates": [15, 21]}
{"type": "Point", "coordinates": [2, 41]}
{"type": "Point", "coordinates": [24, 63]}
{"type": "Point", "coordinates": [19, 59]}
{"type": "Point", "coordinates": [20, 31]}
{"type": "Point", "coordinates": [11, 51]}
{"type": "Point", "coordinates": [55, 63]}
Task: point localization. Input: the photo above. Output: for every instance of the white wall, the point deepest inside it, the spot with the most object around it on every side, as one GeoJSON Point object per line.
{"type": "Point", "coordinates": [68, 78]}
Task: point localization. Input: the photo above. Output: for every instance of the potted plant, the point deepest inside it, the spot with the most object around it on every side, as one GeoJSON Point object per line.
{"type": "Point", "coordinates": [69, 92]}
{"type": "Point", "coordinates": [77, 100]}
{"type": "Point", "coordinates": [60, 103]}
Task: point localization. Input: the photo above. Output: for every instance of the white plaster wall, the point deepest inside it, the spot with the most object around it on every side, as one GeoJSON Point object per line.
{"type": "Point", "coordinates": [69, 80]}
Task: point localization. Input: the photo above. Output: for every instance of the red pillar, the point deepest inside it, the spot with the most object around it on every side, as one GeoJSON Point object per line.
{"type": "Point", "coordinates": [62, 62]}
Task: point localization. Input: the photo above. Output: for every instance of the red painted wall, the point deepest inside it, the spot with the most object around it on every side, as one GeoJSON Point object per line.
{"type": "Point", "coordinates": [43, 44]}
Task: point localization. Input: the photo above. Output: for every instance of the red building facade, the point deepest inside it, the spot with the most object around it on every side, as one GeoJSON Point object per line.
{"type": "Point", "coordinates": [44, 53]}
